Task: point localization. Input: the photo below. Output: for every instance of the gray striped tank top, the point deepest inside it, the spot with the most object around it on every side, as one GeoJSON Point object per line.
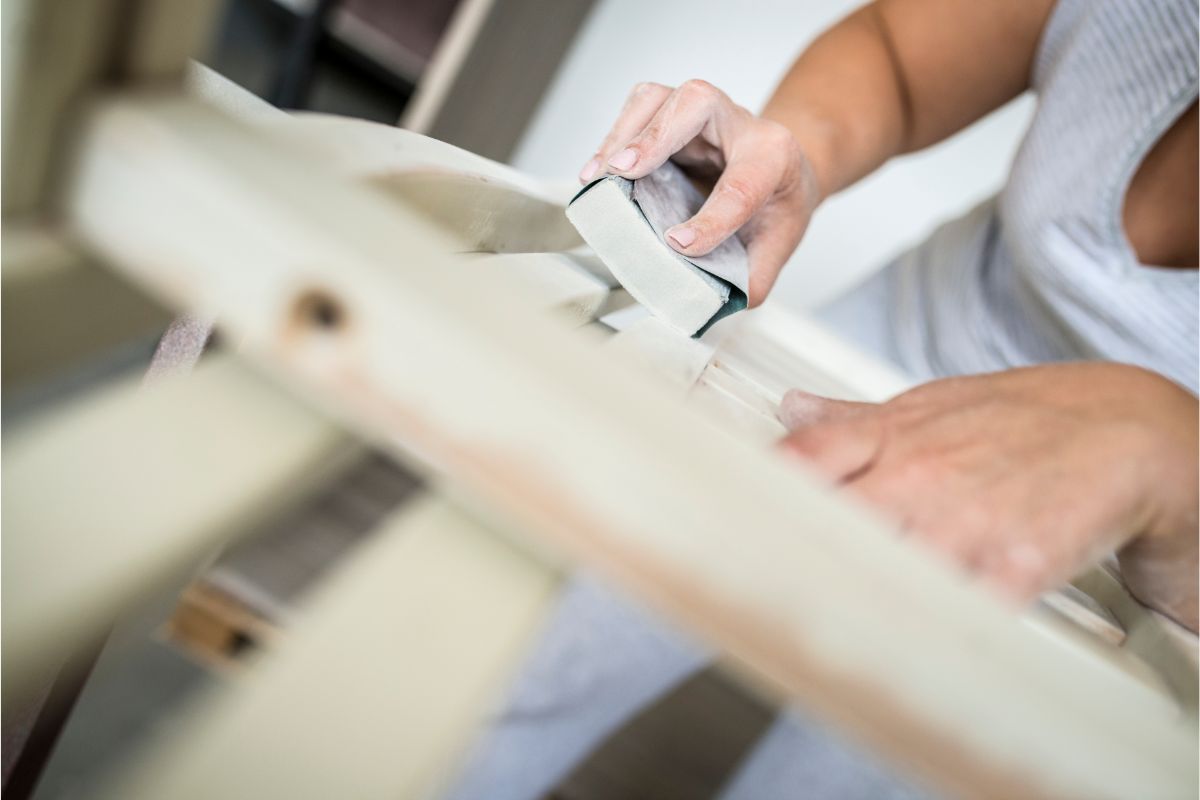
{"type": "Point", "coordinates": [1043, 272]}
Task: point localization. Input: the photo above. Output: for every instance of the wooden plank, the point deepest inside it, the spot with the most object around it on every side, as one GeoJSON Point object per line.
{"type": "Point", "coordinates": [253, 589]}
{"type": "Point", "coordinates": [736, 407]}
{"type": "Point", "coordinates": [1156, 640]}
{"type": "Point", "coordinates": [57, 51]}
{"type": "Point", "coordinates": [380, 682]}
{"type": "Point", "coordinates": [489, 72]}
{"type": "Point", "coordinates": [815, 597]}
{"type": "Point", "coordinates": [54, 50]}
{"type": "Point", "coordinates": [489, 207]}
{"type": "Point", "coordinates": [59, 310]}
{"type": "Point", "coordinates": [107, 498]}
{"type": "Point", "coordinates": [778, 351]}
{"type": "Point", "coordinates": [160, 37]}
{"type": "Point", "coordinates": [667, 357]}
{"type": "Point", "coordinates": [466, 26]}
{"type": "Point", "coordinates": [215, 88]}
{"type": "Point", "coordinates": [216, 628]}
{"type": "Point", "coordinates": [554, 279]}
{"type": "Point", "coordinates": [368, 150]}
{"type": "Point", "coordinates": [1084, 611]}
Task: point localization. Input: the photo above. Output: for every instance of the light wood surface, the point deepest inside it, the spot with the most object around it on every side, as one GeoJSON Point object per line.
{"type": "Point", "coordinates": [59, 310]}
{"type": "Point", "coordinates": [378, 684]}
{"type": "Point", "coordinates": [812, 596]}
{"type": "Point", "coordinates": [109, 498]}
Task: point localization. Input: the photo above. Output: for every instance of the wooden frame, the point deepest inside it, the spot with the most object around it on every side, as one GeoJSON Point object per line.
{"type": "Point", "coordinates": [490, 71]}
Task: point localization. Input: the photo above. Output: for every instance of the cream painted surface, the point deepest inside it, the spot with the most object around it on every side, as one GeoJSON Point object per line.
{"type": "Point", "coordinates": [745, 48]}
{"type": "Point", "coordinates": [794, 601]}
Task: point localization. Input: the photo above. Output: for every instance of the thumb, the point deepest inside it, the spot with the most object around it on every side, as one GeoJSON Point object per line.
{"type": "Point", "coordinates": [837, 437]}
{"type": "Point", "coordinates": [800, 409]}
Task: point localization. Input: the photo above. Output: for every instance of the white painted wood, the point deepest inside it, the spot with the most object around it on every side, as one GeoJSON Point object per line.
{"type": "Point", "coordinates": [465, 28]}
{"type": "Point", "coordinates": [738, 406]}
{"type": "Point", "coordinates": [490, 207]}
{"type": "Point", "coordinates": [378, 685]}
{"type": "Point", "coordinates": [816, 597]}
{"type": "Point", "coordinates": [557, 281]}
{"type": "Point", "coordinates": [215, 88]}
{"type": "Point", "coordinates": [778, 350]}
{"type": "Point", "coordinates": [668, 357]}
{"type": "Point", "coordinates": [58, 51]}
{"type": "Point", "coordinates": [53, 51]}
{"type": "Point", "coordinates": [1082, 609]}
{"type": "Point", "coordinates": [60, 310]}
{"type": "Point", "coordinates": [373, 150]}
{"type": "Point", "coordinates": [159, 37]}
{"type": "Point", "coordinates": [1155, 639]}
{"type": "Point", "coordinates": [113, 495]}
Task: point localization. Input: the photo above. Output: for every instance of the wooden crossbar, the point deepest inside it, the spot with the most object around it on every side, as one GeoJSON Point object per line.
{"type": "Point", "coordinates": [812, 595]}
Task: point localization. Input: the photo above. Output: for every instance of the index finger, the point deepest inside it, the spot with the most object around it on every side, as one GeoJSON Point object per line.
{"type": "Point", "coordinates": [643, 103]}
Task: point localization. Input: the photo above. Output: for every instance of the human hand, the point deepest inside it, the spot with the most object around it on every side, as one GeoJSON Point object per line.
{"type": "Point", "coordinates": [764, 188]}
{"type": "Point", "coordinates": [1029, 476]}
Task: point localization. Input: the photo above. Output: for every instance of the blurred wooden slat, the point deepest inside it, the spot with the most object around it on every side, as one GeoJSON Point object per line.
{"type": "Point", "coordinates": [108, 497]}
{"type": "Point", "coordinates": [56, 52]}
{"type": "Point", "coordinates": [530, 420]}
{"type": "Point", "coordinates": [491, 68]}
{"type": "Point", "coordinates": [380, 683]}
{"type": "Point", "coordinates": [1158, 641]}
{"type": "Point", "coordinates": [247, 598]}
{"type": "Point", "coordinates": [59, 310]}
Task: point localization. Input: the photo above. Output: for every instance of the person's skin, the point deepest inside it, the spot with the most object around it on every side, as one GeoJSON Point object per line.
{"type": "Point", "coordinates": [1026, 476]}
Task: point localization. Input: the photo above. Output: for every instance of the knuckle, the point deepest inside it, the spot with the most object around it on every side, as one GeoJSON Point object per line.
{"type": "Point", "coordinates": [607, 148]}
{"type": "Point", "coordinates": [774, 134]}
{"type": "Point", "coordinates": [655, 132]}
{"type": "Point", "coordinates": [808, 441]}
{"type": "Point", "coordinates": [1026, 563]}
{"type": "Point", "coordinates": [647, 87]}
{"type": "Point", "coordinates": [918, 472]}
{"type": "Point", "coordinates": [699, 90]}
{"type": "Point", "coordinates": [741, 193]}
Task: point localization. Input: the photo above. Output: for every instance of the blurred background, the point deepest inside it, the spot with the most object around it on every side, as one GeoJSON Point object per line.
{"type": "Point", "coordinates": [538, 83]}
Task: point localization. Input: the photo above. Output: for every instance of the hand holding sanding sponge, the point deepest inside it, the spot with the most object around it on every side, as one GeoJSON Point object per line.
{"type": "Point", "coordinates": [625, 222]}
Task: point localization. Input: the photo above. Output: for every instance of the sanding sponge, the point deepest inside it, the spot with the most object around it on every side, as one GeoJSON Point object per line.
{"type": "Point", "coordinates": [625, 222]}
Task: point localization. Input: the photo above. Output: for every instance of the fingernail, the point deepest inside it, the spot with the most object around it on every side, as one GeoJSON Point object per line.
{"type": "Point", "coordinates": [682, 237]}
{"type": "Point", "coordinates": [624, 160]}
{"type": "Point", "coordinates": [589, 169]}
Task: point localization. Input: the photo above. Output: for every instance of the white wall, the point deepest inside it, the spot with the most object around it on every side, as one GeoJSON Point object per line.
{"type": "Point", "coordinates": [744, 48]}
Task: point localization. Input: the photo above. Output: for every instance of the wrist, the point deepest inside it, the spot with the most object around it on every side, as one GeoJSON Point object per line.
{"type": "Point", "coordinates": [1160, 564]}
{"type": "Point", "coordinates": [1172, 456]}
{"type": "Point", "coordinates": [1160, 572]}
{"type": "Point", "coordinates": [817, 137]}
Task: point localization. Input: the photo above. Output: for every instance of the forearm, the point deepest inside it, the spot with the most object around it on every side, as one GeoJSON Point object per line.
{"type": "Point", "coordinates": [900, 75]}
{"type": "Point", "coordinates": [843, 102]}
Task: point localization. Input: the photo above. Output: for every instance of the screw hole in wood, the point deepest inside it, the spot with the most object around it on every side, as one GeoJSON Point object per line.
{"type": "Point", "coordinates": [317, 309]}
